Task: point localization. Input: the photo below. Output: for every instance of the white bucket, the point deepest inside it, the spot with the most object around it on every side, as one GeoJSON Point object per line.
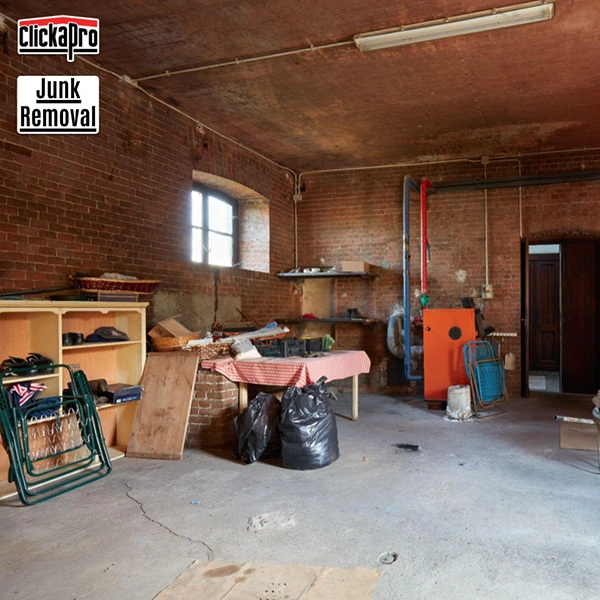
{"type": "Point", "coordinates": [459, 402]}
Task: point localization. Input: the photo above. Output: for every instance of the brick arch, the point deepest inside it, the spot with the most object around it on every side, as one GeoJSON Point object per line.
{"type": "Point", "coordinates": [230, 187]}
{"type": "Point", "coordinates": [556, 235]}
{"type": "Point", "coordinates": [253, 215]}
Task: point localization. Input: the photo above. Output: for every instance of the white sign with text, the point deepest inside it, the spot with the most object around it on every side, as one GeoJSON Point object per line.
{"type": "Point", "coordinates": [58, 104]}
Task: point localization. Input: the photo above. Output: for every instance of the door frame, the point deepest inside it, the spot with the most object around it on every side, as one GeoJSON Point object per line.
{"type": "Point", "coordinates": [525, 318]}
{"type": "Point", "coordinates": [525, 301]}
{"type": "Point", "coordinates": [534, 240]}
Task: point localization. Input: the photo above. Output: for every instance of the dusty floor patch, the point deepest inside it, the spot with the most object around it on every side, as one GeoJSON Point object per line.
{"type": "Point", "coordinates": [282, 519]}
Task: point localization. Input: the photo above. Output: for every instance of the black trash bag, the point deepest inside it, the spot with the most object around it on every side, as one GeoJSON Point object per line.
{"type": "Point", "coordinates": [308, 429]}
{"type": "Point", "coordinates": [256, 430]}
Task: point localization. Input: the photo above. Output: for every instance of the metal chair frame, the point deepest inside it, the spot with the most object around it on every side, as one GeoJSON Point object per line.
{"type": "Point", "coordinates": [85, 460]}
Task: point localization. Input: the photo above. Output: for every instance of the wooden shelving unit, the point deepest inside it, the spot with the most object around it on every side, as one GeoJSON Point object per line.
{"type": "Point", "coordinates": [318, 297]}
{"type": "Point", "coordinates": [37, 326]}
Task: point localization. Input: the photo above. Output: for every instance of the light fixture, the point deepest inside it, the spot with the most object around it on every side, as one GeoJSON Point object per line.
{"type": "Point", "coordinates": [497, 18]}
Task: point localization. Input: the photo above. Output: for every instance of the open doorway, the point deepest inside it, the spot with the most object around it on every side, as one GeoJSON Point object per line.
{"type": "Point", "coordinates": [563, 330]}
{"type": "Point", "coordinates": [544, 317]}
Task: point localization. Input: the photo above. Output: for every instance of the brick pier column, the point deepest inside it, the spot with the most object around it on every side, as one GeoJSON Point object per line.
{"type": "Point", "coordinates": [214, 405]}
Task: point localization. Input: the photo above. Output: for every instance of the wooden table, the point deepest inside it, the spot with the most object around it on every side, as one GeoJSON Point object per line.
{"type": "Point", "coordinates": [295, 371]}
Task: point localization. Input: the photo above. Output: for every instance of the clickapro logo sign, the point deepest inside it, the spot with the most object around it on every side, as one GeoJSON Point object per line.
{"type": "Point", "coordinates": [59, 35]}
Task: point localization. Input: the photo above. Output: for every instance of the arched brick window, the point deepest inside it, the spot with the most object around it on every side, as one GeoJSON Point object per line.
{"type": "Point", "coordinates": [250, 224]}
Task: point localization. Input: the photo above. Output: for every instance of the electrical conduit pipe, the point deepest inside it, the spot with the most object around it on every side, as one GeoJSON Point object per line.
{"type": "Point", "coordinates": [409, 183]}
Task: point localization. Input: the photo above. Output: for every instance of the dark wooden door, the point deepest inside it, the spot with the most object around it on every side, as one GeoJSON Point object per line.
{"type": "Point", "coordinates": [544, 312]}
{"type": "Point", "coordinates": [579, 373]}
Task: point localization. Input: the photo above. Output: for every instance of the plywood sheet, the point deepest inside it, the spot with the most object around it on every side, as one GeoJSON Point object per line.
{"type": "Point", "coordinates": [578, 436]}
{"type": "Point", "coordinates": [161, 418]}
{"type": "Point", "coordinates": [217, 581]}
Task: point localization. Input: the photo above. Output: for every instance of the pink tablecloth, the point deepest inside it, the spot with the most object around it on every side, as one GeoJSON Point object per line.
{"type": "Point", "coordinates": [296, 370]}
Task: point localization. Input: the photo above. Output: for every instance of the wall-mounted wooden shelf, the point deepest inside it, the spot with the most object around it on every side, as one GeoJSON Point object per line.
{"type": "Point", "coordinates": [9, 380]}
{"type": "Point", "coordinates": [329, 320]}
{"type": "Point", "coordinates": [329, 274]}
{"type": "Point", "coordinates": [89, 345]}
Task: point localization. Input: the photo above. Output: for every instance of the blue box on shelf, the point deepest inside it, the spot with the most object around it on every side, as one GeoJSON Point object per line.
{"type": "Point", "coordinates": [123, 392]}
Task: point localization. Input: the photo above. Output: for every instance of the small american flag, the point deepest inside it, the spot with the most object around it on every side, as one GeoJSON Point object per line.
{"type": "Point", "coordinates": [22, 393]}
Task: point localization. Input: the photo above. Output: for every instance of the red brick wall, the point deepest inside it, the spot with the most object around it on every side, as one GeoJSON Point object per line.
{"type": "Point", "coordinates": [358, 216]}
{"type": "Point", "coordinates": [119, 200]}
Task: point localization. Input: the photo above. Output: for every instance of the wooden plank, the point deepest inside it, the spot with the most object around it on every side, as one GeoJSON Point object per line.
{"type": "Point", "coordinates": [354, 397]}
{"type": "Point", "coordinates": [578, 436]}
{"type": "Point", "coordinates": [161, 418]}
{"type": "Point", "coordinates": [242, 396]}
{"type": "Point", "coordinates": [236, 581]}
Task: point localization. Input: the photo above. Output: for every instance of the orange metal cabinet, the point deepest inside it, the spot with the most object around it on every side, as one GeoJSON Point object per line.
{"type": "Point", "coordinates": [445, 332]}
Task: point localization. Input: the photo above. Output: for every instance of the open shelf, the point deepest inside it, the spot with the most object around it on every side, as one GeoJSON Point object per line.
{"type": "Point", "coordinates": [10, 379]}
{"type": "Point", "coordinates": [105, 405]}
{"type": "Point", "coordinates": [98, 345]}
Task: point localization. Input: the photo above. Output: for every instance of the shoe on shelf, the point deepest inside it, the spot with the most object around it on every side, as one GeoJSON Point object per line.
{"type": "Point", "coordinates": [72, 339]}
{"type": "Point", "coordinates": [12, 362]}
{"type": "Point", "coordinates": [38, 360]}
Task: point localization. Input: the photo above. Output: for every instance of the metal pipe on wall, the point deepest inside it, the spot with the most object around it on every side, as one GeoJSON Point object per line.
{"type": "Point", "coordinates": [409, 183]}
{"type": "Point", "coordinates": [513, 182]}
{"type": "Point", "coordinates": [485, 227]}
{"type": "Point", "coordinates": [425, 183]}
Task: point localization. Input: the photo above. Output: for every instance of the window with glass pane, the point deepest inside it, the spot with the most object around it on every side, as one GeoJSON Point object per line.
{"type": "Point", "coordinates": [214, 227]}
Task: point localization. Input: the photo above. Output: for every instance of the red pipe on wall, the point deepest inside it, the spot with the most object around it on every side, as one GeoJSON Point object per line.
{"type": "Point", "coordinates": [425, 183]}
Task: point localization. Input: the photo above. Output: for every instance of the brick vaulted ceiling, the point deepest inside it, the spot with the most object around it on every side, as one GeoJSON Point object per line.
{"type": "Point", "coordinates": [523, 89]}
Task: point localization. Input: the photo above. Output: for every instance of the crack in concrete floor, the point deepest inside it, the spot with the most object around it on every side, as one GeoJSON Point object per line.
{"type": "Point", "coordinates": [210, 553]}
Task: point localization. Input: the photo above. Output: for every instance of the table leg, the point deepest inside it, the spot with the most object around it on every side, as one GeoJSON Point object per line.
{"type": "Point", "coordinates": [242, 396]}
{"type": "Point", "coordinates": [354, 397]}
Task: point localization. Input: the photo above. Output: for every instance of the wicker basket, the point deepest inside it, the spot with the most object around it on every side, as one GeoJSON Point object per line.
{"type": "Point", "coordinates": [97, 284]}
{"type": "Point", "coordinates": [166, 344]}
{"type": "Point", "coordinates": [208, 351]}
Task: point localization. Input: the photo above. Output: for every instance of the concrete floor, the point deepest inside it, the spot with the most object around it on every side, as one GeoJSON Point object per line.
{"type": "Point", "coordinates": [489, 509]}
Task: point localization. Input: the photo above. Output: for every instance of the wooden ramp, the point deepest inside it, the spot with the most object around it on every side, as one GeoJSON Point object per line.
{"type": "Point", "coordinates": [161, 418]}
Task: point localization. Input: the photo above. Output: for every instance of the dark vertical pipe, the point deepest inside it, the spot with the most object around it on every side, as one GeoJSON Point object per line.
{"type": "Point", "coordinates": [408, 183]}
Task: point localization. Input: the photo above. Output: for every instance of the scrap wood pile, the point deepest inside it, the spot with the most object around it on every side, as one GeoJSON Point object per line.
{"type": "Point", "coordinates": [240, 340]}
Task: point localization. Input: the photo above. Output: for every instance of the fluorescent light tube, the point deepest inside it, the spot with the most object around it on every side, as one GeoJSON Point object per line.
{"type": "Point", "coordinates": [510, 16]}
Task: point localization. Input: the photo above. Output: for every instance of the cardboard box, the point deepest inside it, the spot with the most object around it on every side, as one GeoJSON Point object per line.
{"type": "Point", "coordinates": [355, 266]}
{"type": "Point", "coordinates": [168, 328]}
